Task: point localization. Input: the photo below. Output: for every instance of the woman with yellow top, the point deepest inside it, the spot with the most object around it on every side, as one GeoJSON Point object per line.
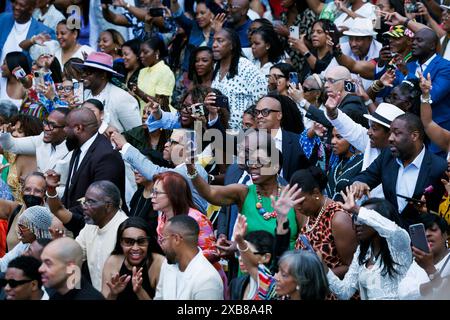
{"type": "Point", "coordinates": [156, 79]}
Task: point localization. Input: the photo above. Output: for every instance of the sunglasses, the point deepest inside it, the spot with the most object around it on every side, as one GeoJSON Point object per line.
{"type": "Point", "coordinates": [67, 89]}
{"type": "Point", "coordinates": [13, 283]}
{"type": "Point", "coordinates": [129, 242]}
{"type": "Point", "coordinates": [305, 89]}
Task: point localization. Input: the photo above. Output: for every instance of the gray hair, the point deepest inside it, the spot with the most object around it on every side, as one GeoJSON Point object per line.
{"type": "Point", "coordinates": [308, 272]}
{"type": "Point", "coordinates": [109, 190]}
{"type": "Point", "coordinates": [7, 109]}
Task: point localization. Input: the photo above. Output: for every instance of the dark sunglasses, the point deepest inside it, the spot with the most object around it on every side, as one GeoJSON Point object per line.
{"type": "Point", "coordinates": [13, 283]}
{"type": "Point", "coordinates": [129, 242]}
{"type": "Point", "coordinates": [305, 89]}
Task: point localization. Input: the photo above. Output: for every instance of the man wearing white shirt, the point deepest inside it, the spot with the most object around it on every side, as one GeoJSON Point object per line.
{"type": "Point", "coordinates": [428, 269]}
{"type": "Point", "coordinates": [445, 48]}
{"type": "Point", "coordinates": [186, 274]}
{"type": "Point", "coordinates": [370, 141]}
{"type": "Point", "coordinates": [49, 147]}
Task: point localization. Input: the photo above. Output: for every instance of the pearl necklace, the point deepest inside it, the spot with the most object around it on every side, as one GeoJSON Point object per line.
{"type": "Point", "coordinates": [322, 210]}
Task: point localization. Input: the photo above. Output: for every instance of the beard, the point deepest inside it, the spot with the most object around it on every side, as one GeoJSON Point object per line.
{"type": "Point", "coordinates": [72, 143]}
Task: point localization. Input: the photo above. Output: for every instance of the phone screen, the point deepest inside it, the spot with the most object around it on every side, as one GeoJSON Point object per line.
{"type": "Point", "coordinates": [418, 237]}
{"type": "Point", "coordinates": [191, 143]}
{"type": "Point", "coordinates": [293, 78]}
{"type": "Point", "coordinates": [78, 91]}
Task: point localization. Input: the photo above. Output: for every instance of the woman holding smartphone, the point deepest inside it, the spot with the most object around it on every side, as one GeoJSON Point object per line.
{"type": "Point", "coordinates": [383, 255]}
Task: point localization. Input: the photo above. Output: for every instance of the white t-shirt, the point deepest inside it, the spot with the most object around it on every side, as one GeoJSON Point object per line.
{"type": "Point", "coordinates": [17, 35]}
{"type": "Point", "coordinates": [77, 54]}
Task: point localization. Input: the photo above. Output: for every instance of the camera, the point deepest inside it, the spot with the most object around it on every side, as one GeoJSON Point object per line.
{"type": "Point", "coordinates": [221, 101]}
{"type": "Point", "coordinates": [349, 86]}
{"type": "Point", "coordinates": [198, 110]}
{"type": "Point", "coordinates": [156, 12]}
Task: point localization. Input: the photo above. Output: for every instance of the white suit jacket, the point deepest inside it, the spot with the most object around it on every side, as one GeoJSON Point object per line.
{"type": "Point", "coordinates": [121, 108]}
{"type": "Point", "coordinates": [200, 281]}
{"type": "Point", "coordinates": [47, 157]}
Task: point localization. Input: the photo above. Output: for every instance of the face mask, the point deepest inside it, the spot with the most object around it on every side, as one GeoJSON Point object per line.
{"type": "Point", "coordinates": [31, 200]}
{"type": "Point", "coordinates": [71, 143]}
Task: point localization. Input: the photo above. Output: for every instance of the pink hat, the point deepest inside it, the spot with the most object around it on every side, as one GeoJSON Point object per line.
{"type": "Point", "coordinates": [99, 60]}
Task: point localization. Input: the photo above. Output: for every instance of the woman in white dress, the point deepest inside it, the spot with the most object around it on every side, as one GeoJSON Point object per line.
{"type": "Point", "coordinates": [10, 87]}
{"type": "Point", "coordinates": [68, 44]}
{"type": "Point", "coordinates": [383, 256]}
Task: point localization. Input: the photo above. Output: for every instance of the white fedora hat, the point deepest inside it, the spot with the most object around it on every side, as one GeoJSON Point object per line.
{"type": "Point", "coordinates": [385, 114]}
{"type": "Point", "coordinates": [361, 27]}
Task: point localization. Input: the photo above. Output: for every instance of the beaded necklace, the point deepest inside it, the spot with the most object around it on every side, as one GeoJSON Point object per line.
{"type": "Point", "coordinates": [322, 210]}
{"type": "Point", "coordinates": [259, 206]}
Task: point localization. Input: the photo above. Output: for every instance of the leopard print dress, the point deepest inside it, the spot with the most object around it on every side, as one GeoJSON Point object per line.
{"type": "Point", "coordinates": [321, 237]}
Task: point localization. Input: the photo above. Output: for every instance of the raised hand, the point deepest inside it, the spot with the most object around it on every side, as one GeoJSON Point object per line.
{"type": "Point", "coordinates": [299, 44]}
{"type": "Point", "coordinates": [52, 179]}
{"type": "Point", "coordinates": [136, 279]}
{"type": "Point", "coordinates": [240, 228]}
{"type": "Point", "coordinates": [349, 204]}
{"type": "Point", "coordinates": [394, 18]}
{"type": "Point", "coordinates": [118, 139]}
{"type": "Point", "coordinates": [281, 29]}
{"type": "Point", "coordinates": [288, 199]}
{"type": "Point", "coordinates": [218, 21]}
{"type": "Point", "coordinates": [118, 283]}
{"type": "Point", "coordinates": [56, 233]}
{"type": "Point", "coordinates": [333, 101]}
{"type": "Point", "coordinates": [296, 92]}
{"type": "Point", "coordinates": [447, 182]}
{"type": "Point", "coordinates": [425, 84]}
{"type": "Point", "coordinates": [388, 78]}
{"type": "Point", "coordinates": [360, 189]}
{"type": "Point", "coordinates": [319, 129]}
{"type": "Point", "coordinates": [226, 247]}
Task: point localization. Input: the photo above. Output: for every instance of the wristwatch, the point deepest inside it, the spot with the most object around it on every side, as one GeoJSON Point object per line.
{"type": "Point", "coordinates": [426, 100]}
{"type": "Point", "coordinates": [307, 55]}
{"type": "Point", "coordinates": [434, 275]}
{"type": "Point", "coordinates": [303, 103]}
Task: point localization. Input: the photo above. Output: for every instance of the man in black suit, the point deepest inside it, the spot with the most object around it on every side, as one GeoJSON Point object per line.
{"type": "Point", "coordinates": [93, 159]}
{"type": "Point", "coordinates": [408, 169]}
{"type": "Point", "coordinates": [269, 113]}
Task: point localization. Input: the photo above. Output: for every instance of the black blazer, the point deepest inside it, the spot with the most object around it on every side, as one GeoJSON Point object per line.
{"type": "Point", "coordinates": [384, 169]}
{"type": "Point", "coordinates": [293, 157]}
{"type": "Point", "coordinates": [101, 162]}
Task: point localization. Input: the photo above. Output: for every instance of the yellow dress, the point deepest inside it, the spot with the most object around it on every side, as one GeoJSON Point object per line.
{"type": "Point", "coordinates": [13, 179]}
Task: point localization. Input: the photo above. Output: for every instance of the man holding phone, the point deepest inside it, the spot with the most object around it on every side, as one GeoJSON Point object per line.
{"type": "Point", "coordinates": [427, 271]}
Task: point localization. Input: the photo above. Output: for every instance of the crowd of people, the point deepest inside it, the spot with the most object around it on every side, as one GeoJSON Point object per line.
{"type": "Point", "coordinates": [224, 150]}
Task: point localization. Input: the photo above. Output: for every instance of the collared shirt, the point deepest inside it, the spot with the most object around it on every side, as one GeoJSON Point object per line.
{"type": "Point", "coordinates": [423, 67]}
{"type": "Point", "coordinates": [85, 147]}
{"type": "Point", "coordinates": [279, 140]}
{"type": "Point", "coordinates": [446, 54]}
{"type": "Point", "coordinates": [407, 178]}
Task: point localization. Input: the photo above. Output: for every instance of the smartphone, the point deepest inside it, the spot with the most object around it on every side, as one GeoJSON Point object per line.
{"type": "Point", "coordinates": [418, 237]}
{"type": "Point", "coordinates": [304, 240]}
{"type": "Point", "coordinates": [293, 78]}
{"type": "Point", "coordinates": [78, 91]}
{"type": "Point", "coordinates": [20, 73]}
{"type": "Point", "coordinates": [415, 201]}
{"type": "Point", "coordinates": [198, 110]}
{"type": "Point", "coordinates": [334, 36]}
{"type": "Point", "coordinates": [294, 32]}
{"type": "Point", "coordinates": [411, 7]}
{"type": "Point", "coordinates": [38, 78]}
{"type": "Point", "coordinates": [222, 101]}
{"type": "Point", "coordinates": [156, 12]}
{"type": "Point", "coordinates": [191, 143]}
{"type": "Point", "coordinates": [349, 86]}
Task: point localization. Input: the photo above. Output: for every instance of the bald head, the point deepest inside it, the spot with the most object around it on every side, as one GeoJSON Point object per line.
{"type": "Point", "coordinates": [338, 72]}
{"type": "Point", "coordinates": [83, 116]}
{"type": "Point", "coordinates": [66, 250]}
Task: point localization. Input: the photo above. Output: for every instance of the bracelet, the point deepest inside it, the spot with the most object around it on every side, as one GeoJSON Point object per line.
{"type": "Point", "coordinates": [406, 22]}
{"type": "Point", "coordinates": [192, 176]}
{"type": "Point", "coordinates": [368, 102]}
{"type": "Point", "coordinates": [51, 197]}
{"type": "Point", "coordinates": [241, 250]}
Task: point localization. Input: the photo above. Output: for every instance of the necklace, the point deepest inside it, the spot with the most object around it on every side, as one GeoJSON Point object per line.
{"type": "Point", "coordinates": [322, 210]}
{"type": "Point", "coordinates": [259, 206]}
{"type": "Point", "coordinates": [141, 209]}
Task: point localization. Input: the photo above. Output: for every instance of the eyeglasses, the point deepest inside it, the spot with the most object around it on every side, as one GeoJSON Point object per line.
{"type": "Point", "coordinates": [155, 193]}
{"type": "Point", "coordinates": [130, 242]}
{"type": "Point", "coordinates": [67, 89]}
{"type": "Point", "coordinates": [91, 203]}
{"type": "Point", "coordinates": [253, 164]}
{"type": "Point", "coordinates": [264, 112]}
{"type": "Point", "coordinates": [13, 283]}
{"type": "Point", "coordinates": [172, 142]}
{"type": "Point", "coordinates": [305, 89]}
{"type": "Point", "coordinates": [276, 76]}
{"type": "Point", "coordinates": [51, 125]}
{"type": "Point", "coordinates": [332, 81]}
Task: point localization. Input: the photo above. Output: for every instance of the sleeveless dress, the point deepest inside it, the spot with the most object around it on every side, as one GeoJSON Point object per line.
{"type": "Point", "coordinates": [128, 293]}
{"type": "Point", "coordinates": [256, 222]}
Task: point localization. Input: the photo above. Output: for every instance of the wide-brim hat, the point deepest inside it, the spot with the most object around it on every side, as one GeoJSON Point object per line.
{"type": "Point", "coordinates": [361, 27]}
{"type": "Point", "coordinates": [385, 114]}
{"type": "Point", "coordinates": [99, 60]}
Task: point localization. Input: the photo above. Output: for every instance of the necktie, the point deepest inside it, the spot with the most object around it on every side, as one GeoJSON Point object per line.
{"type": "Point", "coordinates": [74, 166]}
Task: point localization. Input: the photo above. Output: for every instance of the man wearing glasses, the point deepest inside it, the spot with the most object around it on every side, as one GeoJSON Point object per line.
{"type": "Point", "coordinates": [101, 215]}
{"type": "Point", "coordinates": [49, 148]}
{"type": "Point", "coordinates": [337, 85]}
